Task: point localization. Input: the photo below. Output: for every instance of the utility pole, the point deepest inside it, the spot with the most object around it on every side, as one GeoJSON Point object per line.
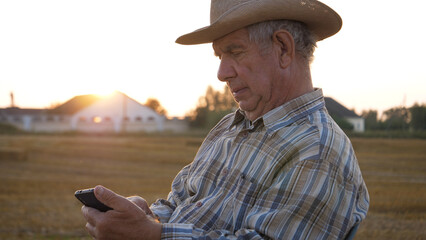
{"type": "Point", "coordinates": [12, 101]}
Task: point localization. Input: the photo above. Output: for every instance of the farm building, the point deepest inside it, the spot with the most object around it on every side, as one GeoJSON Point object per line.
{"type": "Point", "coordinates": [90, 113]}
{"type": "Point", "coordinates": [337, 110]}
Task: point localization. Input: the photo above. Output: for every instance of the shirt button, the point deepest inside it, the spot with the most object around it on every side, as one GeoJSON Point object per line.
{"type": "Point", "coordinates": [245, 134]}
{"type": "Point", "coordinates": [199, 204]}
{"type": "Point", "coordinates": [225, 171]}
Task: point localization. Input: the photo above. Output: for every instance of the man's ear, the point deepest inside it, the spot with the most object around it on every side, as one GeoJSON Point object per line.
{"type": "Point", "coordinates": [284, 41]}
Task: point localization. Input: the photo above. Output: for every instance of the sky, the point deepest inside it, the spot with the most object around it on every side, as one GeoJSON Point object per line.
{"type": "Point", "coordinates": [53, 50]}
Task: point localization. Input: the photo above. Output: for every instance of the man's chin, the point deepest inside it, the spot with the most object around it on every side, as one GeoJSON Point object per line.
{"type": "Point", "coordinates": [247, 106]}
{"type": "Point", "coordinates": [250, 112]}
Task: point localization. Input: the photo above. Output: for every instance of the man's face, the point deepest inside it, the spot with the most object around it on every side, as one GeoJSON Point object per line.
{"type": "Point", "coordinates": [252, 77]}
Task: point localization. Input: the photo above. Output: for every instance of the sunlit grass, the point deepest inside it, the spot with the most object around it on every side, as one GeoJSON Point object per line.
{"type": "Point", "coordinates": [395, 173]}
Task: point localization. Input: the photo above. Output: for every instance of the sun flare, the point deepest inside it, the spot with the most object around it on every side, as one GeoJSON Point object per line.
{"type": "Point", "coordinates": [104, 92]}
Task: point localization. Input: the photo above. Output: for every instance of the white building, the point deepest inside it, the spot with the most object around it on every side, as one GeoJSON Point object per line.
{"type": "Point", "coordinates": [90, 113]}
{"type": "Point", "coordinates": [117, 113]}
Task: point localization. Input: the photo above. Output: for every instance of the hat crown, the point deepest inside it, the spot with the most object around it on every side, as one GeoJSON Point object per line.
{"type": "Point", "coordinates": [219, 7]}
{"type": "Point", "coordinates": [227, 16]}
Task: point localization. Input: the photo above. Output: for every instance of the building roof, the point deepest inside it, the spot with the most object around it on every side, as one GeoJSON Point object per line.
{"type": "Point", "coordinates": [75, 104]}
{"type": "Point", "coordinates": [15, 111]}
{"type": "Point", "coordinates": [116, 105]}
{"type": "Point", "coordinates": [70, 107]}
{"type": "Point", "coordinates": [80, 103]}
{"type": "Point", "coordinates": [336, 109]}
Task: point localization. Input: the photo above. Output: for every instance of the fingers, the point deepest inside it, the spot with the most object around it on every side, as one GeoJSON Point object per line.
{"type": "Point", "coordinates": [129, 216]}
{"type": "Point", "coordinates": [140, 202]}
{"type": "Point", "coordinates": [91, 229]}
{"type": "Point", "coordinates": [91, 215]}
{"type": "Point", "coordinates": [111, 199]}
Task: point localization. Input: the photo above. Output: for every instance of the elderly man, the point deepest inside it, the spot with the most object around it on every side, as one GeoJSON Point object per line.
{"type": "Point", "coordinates": [277, 168]}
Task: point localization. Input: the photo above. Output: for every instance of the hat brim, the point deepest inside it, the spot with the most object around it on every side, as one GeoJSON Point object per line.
{"type": "Point", "coordinates": [318, 17]}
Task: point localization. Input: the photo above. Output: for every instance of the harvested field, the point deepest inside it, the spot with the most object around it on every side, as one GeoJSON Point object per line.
{"type": "Point", "coordinates": [39, 174]}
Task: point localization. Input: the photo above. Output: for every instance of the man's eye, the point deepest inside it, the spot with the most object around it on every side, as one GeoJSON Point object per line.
{"type": "Point", "coordinates": [236, 53]}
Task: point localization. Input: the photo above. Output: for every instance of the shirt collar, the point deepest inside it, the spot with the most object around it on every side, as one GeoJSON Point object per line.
{"type": "Point", "coordinates": [287, 113]}
{"type": "Point", "coordinates": [238, 117]}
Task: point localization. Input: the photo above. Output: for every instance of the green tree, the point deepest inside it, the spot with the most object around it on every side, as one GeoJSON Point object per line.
{"type": "Point", "coordinates": [155, 105]}
{"type": "Point", "coordinates": [396, 118]}
{"type": "Point", "coordinates": [418, 117]}
{"type": "Point", "coordinates": [371, 119]}
{"type": "Point", "coordinates": [212, 107]}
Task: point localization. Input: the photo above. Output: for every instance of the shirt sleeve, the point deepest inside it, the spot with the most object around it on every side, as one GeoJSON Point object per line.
{"type": "Point", "coordinates": [310, 200]}
{"type": "Point", "coordinates": [162, 208]}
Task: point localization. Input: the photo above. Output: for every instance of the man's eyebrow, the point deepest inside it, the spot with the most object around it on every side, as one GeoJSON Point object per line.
{"type": "Point", "coordinates": [228, 48]}
{"type": "Point", "coordinates": [233, 47]}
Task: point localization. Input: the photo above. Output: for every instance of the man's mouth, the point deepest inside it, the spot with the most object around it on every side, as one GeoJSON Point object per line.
{"type": "Point", "coordinates": [238, 92]}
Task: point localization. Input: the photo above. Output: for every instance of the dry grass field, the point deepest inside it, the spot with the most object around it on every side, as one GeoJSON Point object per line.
{"type": "Point", "coordinates": [39, 174]}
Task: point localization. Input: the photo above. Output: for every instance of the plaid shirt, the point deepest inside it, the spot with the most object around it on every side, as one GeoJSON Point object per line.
{"type": "Point", "coordinates": [291, 174]}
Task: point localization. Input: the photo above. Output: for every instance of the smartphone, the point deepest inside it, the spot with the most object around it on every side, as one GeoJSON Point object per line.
{"type": "Point", "coordinates": [87, 197]}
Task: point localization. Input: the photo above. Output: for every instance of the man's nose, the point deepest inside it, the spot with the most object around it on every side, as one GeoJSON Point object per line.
{"type": "Point", "coordinates": [226, 70]}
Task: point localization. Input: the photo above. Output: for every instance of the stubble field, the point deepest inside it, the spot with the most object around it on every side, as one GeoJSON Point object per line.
{"type": "Point", "coordinates": [40, 173]}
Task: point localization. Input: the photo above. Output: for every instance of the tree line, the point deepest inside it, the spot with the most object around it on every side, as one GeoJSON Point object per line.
{"type": "Point", "coordinates": [398, 118]}
{"type": "Point", "coordinates": [215, 104]}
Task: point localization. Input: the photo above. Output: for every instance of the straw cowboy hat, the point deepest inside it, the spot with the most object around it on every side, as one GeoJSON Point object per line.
{"type": "Point", "coordinates": [227, 16]}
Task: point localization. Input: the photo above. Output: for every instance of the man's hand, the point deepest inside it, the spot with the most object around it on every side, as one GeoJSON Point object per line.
{"type": "Point", "coordinates": [127, 220]}
{"type": "Point", "coordinates": [140, 202]}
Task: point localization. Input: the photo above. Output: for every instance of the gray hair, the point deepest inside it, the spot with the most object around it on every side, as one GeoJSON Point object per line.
{"type": "Point", "coordinates": [305, 41]}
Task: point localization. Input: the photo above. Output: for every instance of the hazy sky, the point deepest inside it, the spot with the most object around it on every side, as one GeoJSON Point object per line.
{"type": "Point", "coordinates": [52, 50]}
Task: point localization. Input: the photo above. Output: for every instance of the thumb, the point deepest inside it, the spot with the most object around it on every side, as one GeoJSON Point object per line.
{"type": "Point", "coordinates": [112, 199]}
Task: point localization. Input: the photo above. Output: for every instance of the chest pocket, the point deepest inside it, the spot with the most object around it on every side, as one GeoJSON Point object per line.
{"type": "Point", "coordinates": [245, 197]}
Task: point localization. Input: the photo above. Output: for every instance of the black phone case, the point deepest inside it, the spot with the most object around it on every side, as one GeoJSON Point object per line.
{"type": "Point", "coordinates": [87, 197]}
